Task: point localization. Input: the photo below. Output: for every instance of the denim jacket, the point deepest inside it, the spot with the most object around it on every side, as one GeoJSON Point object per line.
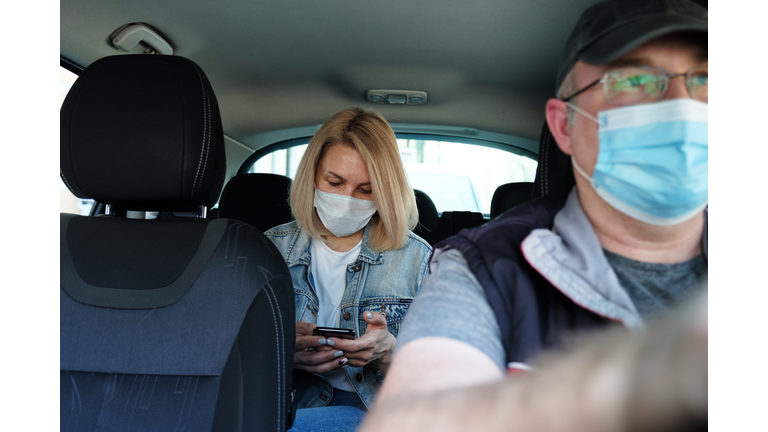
{"type": "Point", "coordinates": [389, 278]}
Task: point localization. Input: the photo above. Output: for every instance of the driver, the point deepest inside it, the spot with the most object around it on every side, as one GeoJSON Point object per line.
{"type": "Point", "coordinates": [628, 242]}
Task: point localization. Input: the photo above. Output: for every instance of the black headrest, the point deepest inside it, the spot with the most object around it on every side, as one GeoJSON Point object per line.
{"type": "Point", "coordinates": [554, 174]}
{"type": "Point", "coordinates": [509, 196]}
{"type": "Point", "coordinates": [261, 200]}
{"type": "Point", "coordinates": [143, 132]}
{"type": "Point", "coordinates": [428, 218]}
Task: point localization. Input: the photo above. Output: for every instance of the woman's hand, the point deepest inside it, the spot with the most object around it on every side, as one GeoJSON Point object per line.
{"type": "Point", "coordinates": [375, 345]}
{"type": "Point", "coordinates": [315, 354]}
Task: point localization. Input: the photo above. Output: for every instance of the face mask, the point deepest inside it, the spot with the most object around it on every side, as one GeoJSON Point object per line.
{"type": "Point", "coordinates": [341, 214]}
{"type": "Point", "coordinates": [653, 160]}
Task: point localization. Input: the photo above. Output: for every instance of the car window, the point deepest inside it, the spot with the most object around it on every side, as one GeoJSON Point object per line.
{"type": "Point", "coordinates": [69, 203]}
{"type": "Point", "coordinates": [457, 176]}
{"type": "Point", "coordinates": [283, 162]}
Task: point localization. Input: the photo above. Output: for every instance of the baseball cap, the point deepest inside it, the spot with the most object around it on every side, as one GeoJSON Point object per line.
{"type": "Point", "coordinates": [608, 30]}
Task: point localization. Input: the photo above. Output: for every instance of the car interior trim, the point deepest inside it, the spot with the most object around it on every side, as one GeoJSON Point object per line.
{"type": "Point", "coordinates": [260, 153]}
{"type": "Point", "coordinates": [70, 65]}
{"type": "Point", "coordinates": [117, 298]}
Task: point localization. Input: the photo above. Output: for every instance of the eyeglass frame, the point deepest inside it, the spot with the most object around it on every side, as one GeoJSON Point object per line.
{"type": "Point", "coordinates": [604, 78]}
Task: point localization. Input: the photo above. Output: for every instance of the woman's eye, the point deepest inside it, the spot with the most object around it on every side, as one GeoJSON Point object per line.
{"type": "Point", "coordinates": [365, 191]}
{"type": "Point", "coordinates": [334, 184]}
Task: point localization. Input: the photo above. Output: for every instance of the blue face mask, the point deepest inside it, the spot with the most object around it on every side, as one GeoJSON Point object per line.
{"type": "Point", "coordinates": [653, 160]}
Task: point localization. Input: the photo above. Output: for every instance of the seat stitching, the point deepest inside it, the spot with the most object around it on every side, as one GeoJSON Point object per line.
{"type": "Point", "coordinates": [543, 158]}
{"type": "Point", "coordinates": [278, 326]}
{"type": "Point", "coordinates": [281, 351]}
{"type": "Point", "coordinates": [210, 131]}
{"type": "Point", "coordinates": [549, 161]}
{"type": "Point", "coordinates": [61, 174]}
{"type": "Point", "coordinates": [206, 143]}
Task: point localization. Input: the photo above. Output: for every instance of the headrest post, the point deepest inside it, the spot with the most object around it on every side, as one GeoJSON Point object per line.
{"type": "Point", "coordinates": [203, 212]}
{"type": "Point", "coordinates": [108, 210]}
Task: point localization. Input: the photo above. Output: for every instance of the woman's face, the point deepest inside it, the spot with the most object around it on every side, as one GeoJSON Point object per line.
{"type": "Point", "coordinates": [342, 171]}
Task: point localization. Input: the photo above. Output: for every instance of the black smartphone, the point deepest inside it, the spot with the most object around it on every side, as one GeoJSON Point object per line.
{"type": "Point", "coordinates": [333, 332]}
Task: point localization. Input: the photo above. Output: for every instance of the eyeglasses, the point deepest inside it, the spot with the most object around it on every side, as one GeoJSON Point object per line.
{"type": "Point", "coordinates": [645, 84]}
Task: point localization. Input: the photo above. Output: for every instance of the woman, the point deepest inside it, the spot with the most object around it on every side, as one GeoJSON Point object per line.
{"type": "Point", "coordinates": [354, 263]}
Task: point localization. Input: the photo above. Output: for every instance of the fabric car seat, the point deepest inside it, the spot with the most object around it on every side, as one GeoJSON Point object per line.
{"type": "Point", "coordinates": [428, 217]}
{"type": "Point", "coordinates": [451, 222]}
{"type": "Point", "coordinates": [554, 173]}
{"type": "Point", "coordinates": [509, 196]}
{"type": "Point", "coordinates": [165, 324]}
{"type": "Point", "coordinates": [261, 200]}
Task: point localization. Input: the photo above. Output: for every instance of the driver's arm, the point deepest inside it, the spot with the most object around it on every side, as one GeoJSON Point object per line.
{"type": "Point", "coordinates": [449, 337]}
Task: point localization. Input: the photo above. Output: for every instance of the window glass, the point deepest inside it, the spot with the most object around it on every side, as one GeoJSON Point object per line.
{"type": "Point", "coordinates": [284, 162]}
{"type": "Point", "coordinates": [69, 203]}
{"type": "Point", "coordinates": [457, 176]}
{"type": "Point", "coordinates": [460, 176]}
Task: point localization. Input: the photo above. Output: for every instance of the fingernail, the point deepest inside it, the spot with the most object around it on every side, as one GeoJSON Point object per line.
{"type": "Point", "coordinates": [330, 342]}
{"type": "Point", "coordinates": [321, 341]}
{"type": "Point", "coordinates": [338, 353]}
{"type": "Point", "coordinates": [343, 362]}
{"type": "Point", "coordinates": [369, 315]}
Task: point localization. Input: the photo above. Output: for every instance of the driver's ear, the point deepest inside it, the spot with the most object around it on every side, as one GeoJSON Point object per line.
{"type": "Point", "coordinates": [557, 119]}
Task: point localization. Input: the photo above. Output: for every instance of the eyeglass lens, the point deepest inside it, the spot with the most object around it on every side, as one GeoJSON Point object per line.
{"type": "Point", "coordinates": [696, 81]}
{"type": "Point", "coordinates": [636, 85]}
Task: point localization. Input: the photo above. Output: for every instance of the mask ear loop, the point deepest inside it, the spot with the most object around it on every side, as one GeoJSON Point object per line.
{"type": "Point", "coordinates": [573, 161]}
{"type": "Point", "coordinates": [581, 171]}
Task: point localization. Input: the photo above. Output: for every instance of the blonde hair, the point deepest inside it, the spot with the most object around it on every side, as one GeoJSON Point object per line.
{"type": "Point", "coordinates": [370, 135]}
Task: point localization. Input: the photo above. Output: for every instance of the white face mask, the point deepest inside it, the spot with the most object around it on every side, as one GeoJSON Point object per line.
{"type": "Point", "coordinates": [341, 214]}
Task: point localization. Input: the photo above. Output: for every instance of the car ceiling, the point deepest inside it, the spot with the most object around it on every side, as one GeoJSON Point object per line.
{"type": "Point", "coordinates": [276, 65]}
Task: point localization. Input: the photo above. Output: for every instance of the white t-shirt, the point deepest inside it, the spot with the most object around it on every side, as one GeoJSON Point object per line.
{"type": "Point", "coordinates": [329, 270]}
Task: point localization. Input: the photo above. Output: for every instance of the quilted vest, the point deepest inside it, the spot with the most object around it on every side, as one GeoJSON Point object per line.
{"type": "Point", "coordinates": [532, 314]}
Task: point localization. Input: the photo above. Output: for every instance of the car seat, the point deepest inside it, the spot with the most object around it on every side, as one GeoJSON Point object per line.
{"type": "Point", "coordinates": [165, 324]}
{"type": "Point", "coordinates": [554, 173]}
{"type": "Point", "coordinates": [451, 222]}
{"type": "Point", "coordinates": [509, 196]}
{"type": "Point", "coordinates": [261, 200]}
{"type": "Point", "coordinates": [428, 218]}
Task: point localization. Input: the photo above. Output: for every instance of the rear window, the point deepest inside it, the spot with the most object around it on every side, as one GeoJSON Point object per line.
{"type": "Point", "coordinates": [457, 176]}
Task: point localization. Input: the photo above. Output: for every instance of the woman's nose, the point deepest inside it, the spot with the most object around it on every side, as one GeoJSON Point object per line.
{"type": "Point", "coordinates": [348, 191]}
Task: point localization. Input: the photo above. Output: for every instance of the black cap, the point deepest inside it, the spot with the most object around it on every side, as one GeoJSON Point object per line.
{"type": "Point", "coordinates": [608, 30]}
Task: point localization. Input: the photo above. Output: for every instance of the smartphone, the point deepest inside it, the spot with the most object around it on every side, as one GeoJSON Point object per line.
{"type": "Point", "coordinates": [334, 332]}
